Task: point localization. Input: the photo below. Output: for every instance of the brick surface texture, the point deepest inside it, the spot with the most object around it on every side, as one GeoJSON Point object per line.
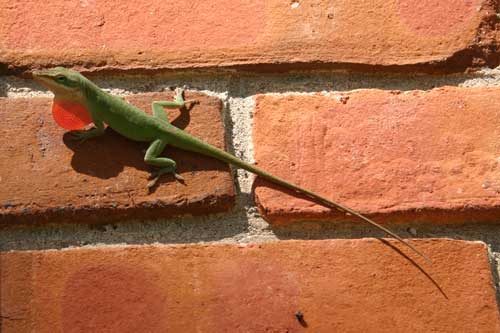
{"type": "Point", "coordinates": [47, 177]}
{"type": "Point", "coordinates": [425, 163]}
{"type": "Point", "coordinates": [414, 156]}
{"type": "Point", "coordinates": [115, 35]}
{"type": "Point", "coordinates": [339, 286]}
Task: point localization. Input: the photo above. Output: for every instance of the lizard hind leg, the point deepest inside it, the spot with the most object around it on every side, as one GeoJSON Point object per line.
{"type": "Point", "coordinates": [166, 165]}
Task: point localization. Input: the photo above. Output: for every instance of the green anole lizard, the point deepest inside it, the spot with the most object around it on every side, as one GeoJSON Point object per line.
{"type": "Point", "coordinates": [72, 88]}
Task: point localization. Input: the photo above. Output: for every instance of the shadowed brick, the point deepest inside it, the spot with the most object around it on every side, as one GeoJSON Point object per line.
{"type": "Point", "coordinates": [47, 177]}
{"type": "Point", "coordinates": [115, 35]}
{"type": "Point", "coordinates": [339, 286]}
{"type": "Point", "coordinates": [413, 156]}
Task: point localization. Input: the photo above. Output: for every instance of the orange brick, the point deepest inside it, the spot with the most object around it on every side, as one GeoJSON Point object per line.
{"type": "Point", "coordinates": [339, 286]}
{"type": "Point", "coordinates": [117, 35]}
{"type": "Point", "coordinates": [415, 156]}
{"type": "Point", "coordinates": [46, 177]}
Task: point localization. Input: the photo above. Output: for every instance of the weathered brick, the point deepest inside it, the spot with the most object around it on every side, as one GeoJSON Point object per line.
{"type": "Point", "coordinates": [116, 35]}
{"type": "Point", "coordinates": [339, 286]}
{"type": "Point", "coordinates": [414, 156]}
{"type": "Point", "coordinates": [47, 177]}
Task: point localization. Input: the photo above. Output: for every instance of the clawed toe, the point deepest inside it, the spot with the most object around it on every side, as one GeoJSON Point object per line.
{"type": "Point", "coordinates": [75, 134]}
{"type": "Point", "coordinates": [155, 176]}
{"type": "Point", "coordinates": [78, 136]}
{"type": "Point", "coordinates": [152, 183]}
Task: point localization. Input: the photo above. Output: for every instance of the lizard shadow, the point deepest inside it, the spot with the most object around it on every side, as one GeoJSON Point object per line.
{"type": "Point", "coordinates": [107, 156]}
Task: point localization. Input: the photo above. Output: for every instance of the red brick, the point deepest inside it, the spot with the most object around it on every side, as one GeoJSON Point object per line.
{"type": "Point", "coordinates": [339, 286]}
{"type": "Point", "coordinates": [415, 156]}
{"type": "Point", "coordinates": [46, 177]}
{"type": "Point", "coordinates": [116, 35]}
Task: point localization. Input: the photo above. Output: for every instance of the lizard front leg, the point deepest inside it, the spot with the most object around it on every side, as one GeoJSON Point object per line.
{"type": "Point", "coordinates": [178, 102]}
{"type": "Point", "coordinates": [82, 136]}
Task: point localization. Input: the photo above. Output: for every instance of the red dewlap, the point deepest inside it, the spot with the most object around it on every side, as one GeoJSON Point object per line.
{"type": "Point", "coordinates": [70, 115]}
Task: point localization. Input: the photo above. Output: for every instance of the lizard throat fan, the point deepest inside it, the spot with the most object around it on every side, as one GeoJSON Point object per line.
{"type": "Point", "coordinates": [70, 115]}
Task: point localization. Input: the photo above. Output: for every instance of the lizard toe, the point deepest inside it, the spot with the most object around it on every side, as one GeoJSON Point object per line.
{"type": "Point", "coordinates": [152, 183]}
{"type": "Point", "coordinates": [179, 90]}
{"type": "Point", "coordinates": [192, 102]}
{"type": "Point", "coordinates": [153, 175]}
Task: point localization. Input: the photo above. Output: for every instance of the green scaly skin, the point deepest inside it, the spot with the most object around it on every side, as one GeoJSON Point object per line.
{"type": "Point", "coordinates": [136, 125]}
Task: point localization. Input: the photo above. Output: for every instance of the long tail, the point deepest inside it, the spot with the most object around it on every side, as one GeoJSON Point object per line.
{"type": "Point", "coordinates": [209, 150]}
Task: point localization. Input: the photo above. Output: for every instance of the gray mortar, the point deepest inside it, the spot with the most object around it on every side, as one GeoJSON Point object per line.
{"type": "Point", "coordinates": [243, 224]}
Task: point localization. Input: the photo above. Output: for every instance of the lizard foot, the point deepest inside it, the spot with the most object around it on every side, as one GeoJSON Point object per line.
{"type": "Point", "coordinates": [191, 102]}
{"type": "Point", "coordinates": [81, 136]}
{"type": "Point", "coordinates": [155, 176]}
{"type": "Point", "coordinates": [179, 91]}
{"type": "Point", "coordinates": [152, 183]}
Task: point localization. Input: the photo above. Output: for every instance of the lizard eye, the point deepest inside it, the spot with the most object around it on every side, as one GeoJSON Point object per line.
{"type": "Point", "coordinates": [60, 78]}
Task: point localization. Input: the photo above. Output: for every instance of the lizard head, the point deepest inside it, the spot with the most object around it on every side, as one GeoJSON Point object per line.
{"type": "Point", "coordinates": [64, 83]}
{"type": "Point", "coordinates": [69, 107]}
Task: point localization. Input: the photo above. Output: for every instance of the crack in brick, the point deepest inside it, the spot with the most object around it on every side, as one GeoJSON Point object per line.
{"type": "Point", "coordinates": [42, 139]}
{"type": "Point", "coordinates": [11, 318]}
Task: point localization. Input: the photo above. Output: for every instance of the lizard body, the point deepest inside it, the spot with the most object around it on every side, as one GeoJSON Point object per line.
{"type": "Point", "coordinates": [131, 122]}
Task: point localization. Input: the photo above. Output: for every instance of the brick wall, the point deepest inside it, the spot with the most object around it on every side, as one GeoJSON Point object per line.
{"type": "Point", "coordinates": [389, 107]}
